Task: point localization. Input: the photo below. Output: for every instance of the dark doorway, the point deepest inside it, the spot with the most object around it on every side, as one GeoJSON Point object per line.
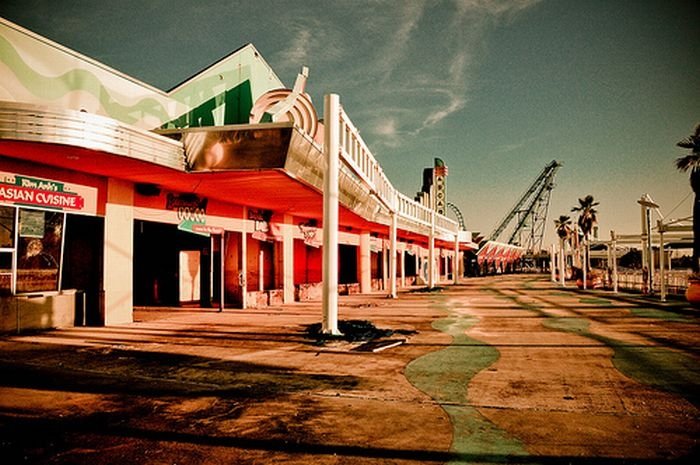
{"type": "Point", "coordinates": [409, 264]}
{"type": "Point", "coordinates": [157, 248]}
{"type": "Point", "coordinates": [82, 266]}
{"type": "Point", "coordinates": [347, 270]}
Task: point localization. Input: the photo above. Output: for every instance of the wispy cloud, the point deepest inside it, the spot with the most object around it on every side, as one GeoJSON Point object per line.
{"type": "Point", "coordinates": [434, 48]}
{"type": "Point", "coordinates": [299, 47]}
{"type": "Point", "coordinates": [387, 129]}
{"type": "Point", "coordinates": [406, 19]}
{"type": "Point", "coordinates": [402, 69]}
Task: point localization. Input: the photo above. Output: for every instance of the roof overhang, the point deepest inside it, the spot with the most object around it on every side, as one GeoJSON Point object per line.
{"type": "Point", "coordinates": [274, 166]}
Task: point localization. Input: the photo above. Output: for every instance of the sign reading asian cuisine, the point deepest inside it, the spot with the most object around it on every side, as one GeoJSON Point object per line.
{"type": "Point", "coordinates": [22, 190]}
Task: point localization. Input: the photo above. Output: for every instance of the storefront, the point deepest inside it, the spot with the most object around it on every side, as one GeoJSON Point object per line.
{"type": "Point", "coordinates": [50, 249]}
{"type": "Point", "coordinates": [138, 197]}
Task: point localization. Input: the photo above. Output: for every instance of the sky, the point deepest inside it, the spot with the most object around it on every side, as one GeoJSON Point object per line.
{"type": "Point", "coordinates": [497, 89]}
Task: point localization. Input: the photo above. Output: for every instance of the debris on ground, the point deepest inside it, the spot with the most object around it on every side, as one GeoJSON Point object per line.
{"type": "Point", "coordinates": [427, 289]}
{"type": "Point", "coordinates": [352, 331]}
{"type": "Point", "coordinates": [378, 346]}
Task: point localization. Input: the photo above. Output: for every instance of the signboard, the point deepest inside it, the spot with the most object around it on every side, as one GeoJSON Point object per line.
{"type": "Point", "coordinates": [16, 189]}
{"type": "Point", "coordinates": [191, 212]}
{"type": "Point", "coordinates": [309, 230]}
{"type": "Point", "coordinates": [263, 229]}
{"type": "Point", "coordinates": [439, 181]}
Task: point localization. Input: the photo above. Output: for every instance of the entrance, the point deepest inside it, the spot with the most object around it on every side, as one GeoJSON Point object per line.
{"type": "Point", "coordinates": [82, 266]}
{"type": "Point", "coordinates": [172, 267]}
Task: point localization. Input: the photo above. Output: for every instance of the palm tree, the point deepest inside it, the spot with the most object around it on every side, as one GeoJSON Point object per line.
{"type": "Point", "coordinates": [563, 224]}
{"type": "Point", "coordinates": [691, 162]}
{"type": "Point", "coordinates": [587, 214]}
{"type": "Point", "coordinates": [586, 219]}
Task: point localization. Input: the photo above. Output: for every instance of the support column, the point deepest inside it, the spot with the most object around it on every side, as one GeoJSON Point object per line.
{"type": "Point", "coordinates": [562, 262]}
{"type": "Point", "coordinates": [662, 260]}
{"type": "Point", "coordinates": [392, 256]}
{"type": "Point", "coordinates": [243, 273]}
{"type": "Point", "coordinates": [331, 148]}
{"type": "Point", "coordinates": [288, 259]}
{"type": "Point", "coordinates": [385, 273]}
{"type": "Point", "coordinates": [222, 268]}
{"type": "Point", "coordinates": [552, 263]}
{"type": "Point", "coordinates": [613, 244]}
{"type": "Point", "coordinates": [431, 252]}
{"type": "Point", "coordinates": [365, 263]}
{"type": "Point", "coordinates": [585, 262]}
{"type": "Point", "coordinates": [456, 262]}
{"type": "Point", "coordinates": [261, 270]}
{"type": "Point", "coordinates": [119, 253]}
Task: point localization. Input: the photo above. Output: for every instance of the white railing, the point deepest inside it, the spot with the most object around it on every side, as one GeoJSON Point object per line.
{"type": "Point", "coordinates": [410, 209]}
{"type": "Point", "coordinates": [445, 223]}
{"type": "Point", "coordinates": [355, 154]}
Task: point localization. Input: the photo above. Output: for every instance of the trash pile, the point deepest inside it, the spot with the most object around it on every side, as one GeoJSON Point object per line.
{"type": "Point", "coordinates": [351, 331]}
{"type": "Point", "coordinates": [427, 289]}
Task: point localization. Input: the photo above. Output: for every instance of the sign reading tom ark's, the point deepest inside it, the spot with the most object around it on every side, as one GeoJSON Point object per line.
{"type": "Point", "coordinates": [17, 189]}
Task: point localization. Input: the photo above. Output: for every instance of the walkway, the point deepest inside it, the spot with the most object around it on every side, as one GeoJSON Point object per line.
{"type": "Point", "coordinates": [506, 369]}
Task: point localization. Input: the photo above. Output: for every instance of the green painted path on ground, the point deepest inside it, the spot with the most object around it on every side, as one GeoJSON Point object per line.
{"type": "Point", "coordinates": [445, 375]}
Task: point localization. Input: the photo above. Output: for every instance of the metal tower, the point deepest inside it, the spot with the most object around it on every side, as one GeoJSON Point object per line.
{"type": "Point", "coordinates": [529, 215]}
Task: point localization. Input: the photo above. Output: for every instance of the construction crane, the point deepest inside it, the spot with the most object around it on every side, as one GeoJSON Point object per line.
{"type": "Point", "coordinates": [530, 213]}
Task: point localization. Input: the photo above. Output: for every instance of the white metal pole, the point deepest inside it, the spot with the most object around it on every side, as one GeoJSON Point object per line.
{"type": "Point", "coordinates": [261, 271]}
{"type": "Point", "coordinates": [243, 278]}
{"type": "Point", "coordinates": [562, 262]}
{"type": "Point", "coordinates": [331, 148]}
{"type": "Point", "coordinates": [431, 252]}
{"type": "Point", "coordinates": [552, 263]}
{"type": "Point", "coordinates": [392, 257]}
{"type": "Point", "coordinates": [584, 264]}
{"type": "Point", "coordinates": [385, 266]}
{"type": "Point", "coordinates": [222, 264]}
{"type": "Point", "coordinates": [456, 268]}
{"type": "Point", "coordinates": [643, 237]}
{"type": "Point", "coordinates": [650, 252]}
{"type": "Point", "coordinates": [662, 259]}
{"type": "Point", "coordinates": [614, 261]}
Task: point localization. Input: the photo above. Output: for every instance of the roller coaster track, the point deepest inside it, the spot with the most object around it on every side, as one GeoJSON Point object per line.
{"type": "Point", "coordinates": [529, 215]}
{"type": "Point", "coordinates": [458, 214]}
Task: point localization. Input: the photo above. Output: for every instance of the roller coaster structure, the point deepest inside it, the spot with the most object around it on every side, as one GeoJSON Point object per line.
{"type": "Point", "coordinates": [527, 219]}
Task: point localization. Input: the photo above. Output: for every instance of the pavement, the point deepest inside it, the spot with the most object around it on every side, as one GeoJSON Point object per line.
{"type": "Point", "coordinates": [506, 369]}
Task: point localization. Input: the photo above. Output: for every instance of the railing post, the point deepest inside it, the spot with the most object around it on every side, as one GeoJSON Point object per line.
{"type": "Point", "coordinates": [330, 214]}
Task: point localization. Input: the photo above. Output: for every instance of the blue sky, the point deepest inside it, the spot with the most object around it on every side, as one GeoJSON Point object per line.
{"type": "Point", "coordinates": [497, 89]}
